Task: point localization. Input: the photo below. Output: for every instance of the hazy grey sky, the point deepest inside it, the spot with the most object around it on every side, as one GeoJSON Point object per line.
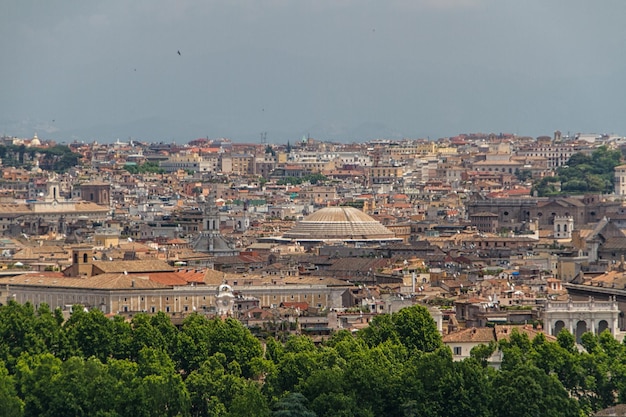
{"type": "Point", "coordinates": [335, 69]}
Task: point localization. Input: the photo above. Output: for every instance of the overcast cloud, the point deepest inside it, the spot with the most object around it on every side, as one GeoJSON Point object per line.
{"type": "Point", "coordinates": [334, 69]}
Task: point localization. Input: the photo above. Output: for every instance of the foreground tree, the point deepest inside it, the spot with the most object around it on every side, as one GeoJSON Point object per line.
{"type": "Point", "coordinates": [412, 326]}
{"type": "Point", "coordinates": [93, 334]}
{"type": "Point", "coordinates": [526, 391]}
{"type": "Point", "coordinates": [293, 404]}
{"type": "Point", "coordinates": [213, 386]}
{"type": "Point", "coordinates": [250, 402]}
{"type": "Point", "coordinates": [162, 390]}
{"type": "Point", "coordinates": [201, 338]}
{"type": "Point", "coordinates": [10, 404]}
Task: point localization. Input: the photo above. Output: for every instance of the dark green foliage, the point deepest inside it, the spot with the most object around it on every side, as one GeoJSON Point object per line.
{"type": "Point", "coordinates": [292, 405]}
{"type": "Point", "coordinates": [583, 174]}
{"type": "Point", "coordinates": [58, 158]}
{"type": "Point", "coordinates": [22, 330]}
{"type": "Point", "coordinates": [10, 404]}
{"type": "Point", "coordinates": [413, 327]}
{"type": "Point", "coordinates": [154, 331]}
{"type": "Point", "coordinates": [481, 353]}
{"type": "Point", "coordinates": [417, 329]}
{"type": "Point", "coordinates": [145, 168]}
{"type": "Point", "coordinates": [93, 334]}
{"type": "Point", "coordinates": [250, 402]}
{"type": "Point", "coordinates": [200, 338]}
{"type": "Point", "coordinates": [92, 365]}
{"type": "Point", "coordinates": [527, 391]}
{"type": "Point", "coordinates": [523, 175]}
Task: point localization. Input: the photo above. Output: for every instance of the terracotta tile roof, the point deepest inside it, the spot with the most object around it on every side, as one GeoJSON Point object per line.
{"type": "Point", "coordinates": [191, 275]}
{"type": "Point", "coordinates": [471, 335]}
{"type": "Point", "coordinates": [504, 332]}
{"type": "Point", "coordinates": [152, 265]}
{"type": "Point", "coordinates": [302, 306]}
{"type": "Point", "coordinates": [358, 264]}
{"type": "Point", "coordinates": [166, 278]}
{"type": "Point", "coordinates": [176, 241]}
{"type": "Point", "coordinates": [135, 247]}
{"type": "Point", "coordinates": [115, 281]}
{"type": "Point", "coordinates": [103, 281]}
{"type": "Point", "coordinates": [88, 206]}
{"type": "Point", "coordinates": [213, 277]}
{"type": "Point", "coordinates": [261, 312]}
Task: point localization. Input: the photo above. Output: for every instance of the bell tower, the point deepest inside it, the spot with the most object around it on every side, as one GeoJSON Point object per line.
{"type": "Point", "coordinates": [563, 226]}
{"type": "Point", "coordinates": [53, 193]}
{"type": "Point", "coordinates": [82, 262]}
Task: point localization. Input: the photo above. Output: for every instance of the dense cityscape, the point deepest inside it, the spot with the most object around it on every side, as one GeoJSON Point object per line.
{"type": "Point", "coordinates": [468, 275]}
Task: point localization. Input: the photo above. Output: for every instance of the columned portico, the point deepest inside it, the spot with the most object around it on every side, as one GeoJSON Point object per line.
{"type": "Point", "coordinates": [579, 317]}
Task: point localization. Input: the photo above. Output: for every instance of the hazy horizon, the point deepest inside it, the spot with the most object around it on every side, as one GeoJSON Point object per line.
{"type": "Point", "coordinates": [342, 70]}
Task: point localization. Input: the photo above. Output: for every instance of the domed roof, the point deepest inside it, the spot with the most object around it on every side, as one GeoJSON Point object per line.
{"type": "Point", "coordinates": [339, 223]}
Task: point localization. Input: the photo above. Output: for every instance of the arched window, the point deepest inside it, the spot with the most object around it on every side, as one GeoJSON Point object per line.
{"type": "Point", "coordinates": [84, 258]}
{"type": "Point", "coordinates": [602, 326]}
{"type": "Point", "coordinates": [558, 326]}
{"type": "Point", "coordinates": [558, 228]}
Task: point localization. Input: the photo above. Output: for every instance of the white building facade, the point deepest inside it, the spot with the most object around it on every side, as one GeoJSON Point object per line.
{"type": "Point", "coordinates": [579, 317]}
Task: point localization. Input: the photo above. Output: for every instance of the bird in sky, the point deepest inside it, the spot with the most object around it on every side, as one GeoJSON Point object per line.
{"type": "Point", "coordinates": [178, 52]}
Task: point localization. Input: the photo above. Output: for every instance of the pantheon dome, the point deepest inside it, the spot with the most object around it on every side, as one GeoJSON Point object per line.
{"type": "Point", "coordinates": [339, 223]}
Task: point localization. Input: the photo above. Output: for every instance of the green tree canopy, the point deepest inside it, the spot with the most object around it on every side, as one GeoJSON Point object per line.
{"type": "Point", "coordinates": [293, 404]}
{"type": "Point", "coordinates": [412, 326]}
{"type": "Point", "coordinates": [583, 174]}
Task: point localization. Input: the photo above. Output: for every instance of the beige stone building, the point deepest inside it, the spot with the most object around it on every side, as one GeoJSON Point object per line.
{"type": "Point", "coordinates": [126, 287]}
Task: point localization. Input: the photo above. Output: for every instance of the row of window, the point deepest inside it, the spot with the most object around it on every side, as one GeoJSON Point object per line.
{"type": "Point", "coordinates": [153, 309]}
